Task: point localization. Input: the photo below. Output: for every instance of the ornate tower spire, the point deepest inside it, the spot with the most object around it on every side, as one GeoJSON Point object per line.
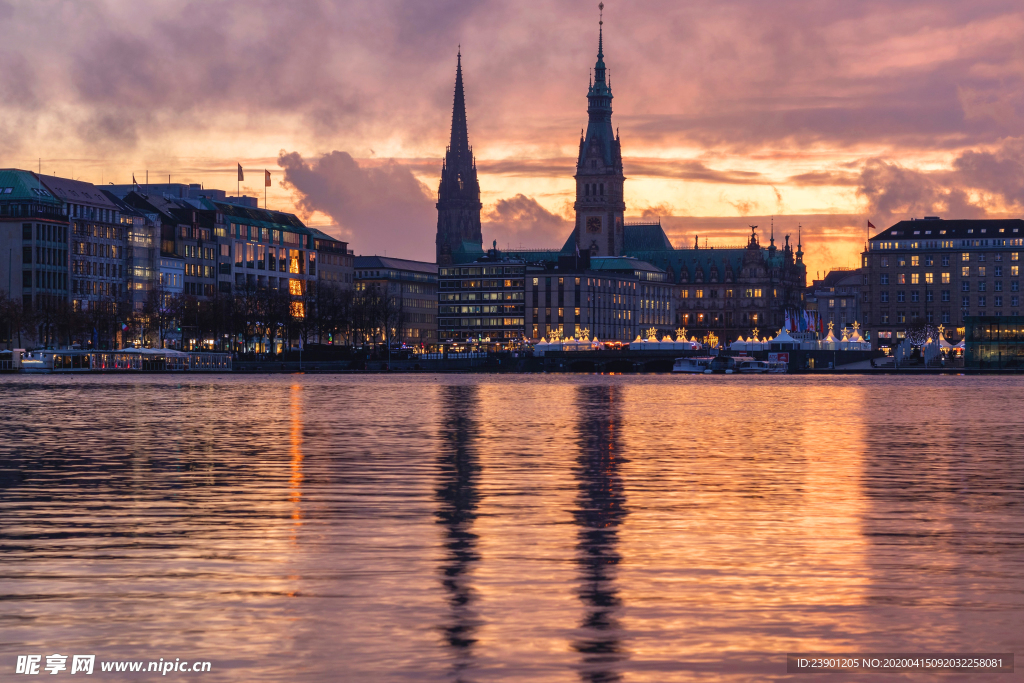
{"type": "Point", "coordinates": [599, 179]}
{"type": "Point", "coordinates": [458, 195]}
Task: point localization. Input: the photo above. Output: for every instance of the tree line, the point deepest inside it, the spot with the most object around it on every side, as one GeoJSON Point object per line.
{"type": "Point", "coordinates": [249, 321]}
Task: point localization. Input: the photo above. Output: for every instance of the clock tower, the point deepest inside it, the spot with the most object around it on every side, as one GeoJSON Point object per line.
{"type": "Point", "coordinates": [599, 180]}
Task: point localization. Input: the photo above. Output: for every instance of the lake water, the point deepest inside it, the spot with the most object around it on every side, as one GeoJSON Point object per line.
{"type": "Point", "coordinates": [508, 528]}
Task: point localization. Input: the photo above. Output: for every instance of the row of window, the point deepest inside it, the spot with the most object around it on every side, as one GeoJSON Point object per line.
{"type": "Point", "coordinates": [96, 269]}
{"type": "Point", "coordinates": [44, 279]}
{"type": "Point", "coordinates": [748, 293]}
{"type": "Point", "coordinates": [44, 233]}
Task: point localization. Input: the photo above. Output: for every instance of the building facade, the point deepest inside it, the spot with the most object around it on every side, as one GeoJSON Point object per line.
{"type": "Point", "coordinates": [940, 272]}
{"type": "Point", "coordinates": [837, 297]}
{"type": "Point", "coordinates": [608, 298]}
{"type": "Point", "coordinates": [34, 239]}
{"type": "Point", "coordinates": [99, 244]}
{"type": "Point", "coordinates": [482, 301]}
{"type": "Point", "coordinates": [408, 295]}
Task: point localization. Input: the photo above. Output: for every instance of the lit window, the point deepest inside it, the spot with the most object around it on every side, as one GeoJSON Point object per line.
{"type": "Point", "coordinates": [945, 278]}
{"type": "Point", "coordinates": [965, 271]}
{"type": "Point", "coordinates": [929, 278]}
{"type": "Point", "coordinates": [915, 261]}
{"type": "Point", "coordinates": [901, 279]}
{"type": "Point", "coordinates": [915, 279]}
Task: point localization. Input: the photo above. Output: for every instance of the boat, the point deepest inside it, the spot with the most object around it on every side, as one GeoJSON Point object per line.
{"type": "Point", "coordinates": [698, 364]}
{"type": "Point", "coordinates": [778, 367]}
{"type": "Point", "coordinates": [749, 366]}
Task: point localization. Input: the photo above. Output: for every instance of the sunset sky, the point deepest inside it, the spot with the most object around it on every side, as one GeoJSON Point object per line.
{"type": "Point", "coordinates": [824, 114]}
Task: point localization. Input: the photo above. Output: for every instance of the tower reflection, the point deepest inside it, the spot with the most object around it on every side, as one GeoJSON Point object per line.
{"type": "Point", "coordinates": [601, 510]}
{"type": "Point", "coordinates": [458, 498]}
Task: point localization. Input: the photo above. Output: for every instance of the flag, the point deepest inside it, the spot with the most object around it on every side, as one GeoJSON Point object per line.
{"type": "Point", "coordinates": [266, 181]}
{"type": "Point", "coordinates": [240, 176]}
{"type": "Point", "coordinates": [871, 226]}
{"type": "Point", "coordinates": [135, 182]}
{"type": "Point", "coordinates": [124, 326]}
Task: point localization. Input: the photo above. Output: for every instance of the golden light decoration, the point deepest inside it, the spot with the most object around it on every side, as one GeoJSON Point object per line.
{"type": "Point", "coordinates": [856, 325]}
{"type": "Point", "coordinates": [712, 340]}
{"type": "Point", "coordinates": [585, 334]}
{"type": "Point", "coordinates": [556, 335]}
{"type": "Point", "coordinates": [652, 334]}
{"type": "Point", "coordinates": [755, 331]}
{"type": "Point", "coordinates": [681, 333]}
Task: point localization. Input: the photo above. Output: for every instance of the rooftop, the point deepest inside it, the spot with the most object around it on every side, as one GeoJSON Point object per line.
{"type": "Point", "coordinates": [367, 262]}
{"type": "Point", "coordinates": [937, 228]}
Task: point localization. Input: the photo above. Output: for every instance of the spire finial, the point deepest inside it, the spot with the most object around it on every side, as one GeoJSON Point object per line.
{"type": "Point", "coordinates": [600, 30]}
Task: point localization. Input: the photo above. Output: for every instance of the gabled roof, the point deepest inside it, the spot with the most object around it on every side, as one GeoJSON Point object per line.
{"type": "Point", "coordinates": [18, 185]}
{"type": "Point", "coordinates": [77, 192]}
{"type": "Point", "coordinates": [644, 237]}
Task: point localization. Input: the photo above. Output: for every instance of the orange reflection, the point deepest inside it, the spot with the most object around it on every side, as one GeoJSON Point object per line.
{"type": "Point", "coordinates": [295, 482]}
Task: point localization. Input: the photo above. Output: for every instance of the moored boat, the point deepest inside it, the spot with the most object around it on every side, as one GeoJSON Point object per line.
{"type": "Point", "coordinates": [696, 364]}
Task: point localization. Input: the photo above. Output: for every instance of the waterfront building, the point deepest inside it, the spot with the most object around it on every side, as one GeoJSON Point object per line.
{"type": "Point", "coordinates": [458, 195]}
{"type": "Point", "coordinates": [994, 342]}
{"type": "Point", "coordinates": [837, 297]}
{"type": "Point", "coordinates": [405, 294]}
{"type": "Point", "coordinates": [482, 301]}
{"type": "Point", "coordinates": [335, 262]}
{"type": "Point", "coordinates": [934, 271]}
{"type": "Point", "coordinates": [34, 241]}
{"type": "Point", "coordinates": [605, 297]}
{"type": "Point", "coordinates": [98, 246]}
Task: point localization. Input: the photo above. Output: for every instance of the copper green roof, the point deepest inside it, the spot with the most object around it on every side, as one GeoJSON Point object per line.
{"type": "Point", "coordinates": [17, 185]}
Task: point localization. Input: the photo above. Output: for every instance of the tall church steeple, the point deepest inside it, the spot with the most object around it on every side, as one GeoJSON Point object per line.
{"type": "Point", "coordinates": [458, 195]}
{"type": "Point", "coordinates": [599, 178]}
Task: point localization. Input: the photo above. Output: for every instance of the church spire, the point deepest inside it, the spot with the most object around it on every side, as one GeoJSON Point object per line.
{"type": "Point", "coordinates": [460, 131]}
{"type": "Point", "coordinates": [458, 195]}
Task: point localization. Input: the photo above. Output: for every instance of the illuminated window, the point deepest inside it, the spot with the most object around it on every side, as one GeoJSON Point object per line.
{"type": "Point", "coordinates": [929, 278]}
{"type": "Point", "coordinates": [728, 294]}
{"type": "Point", "coordinates": [295, 287]}
{"type": "Point", "coordinates": [965, 257]}
{"type": "Point", "coordinates": [981, 271]}
{"type": "Point", "coordinates": [915, 261]}
{"type": "Point", "coordinates": [965, 271]}
{"type": "Point", "coordinates": [831, 303]}
{"type": "Point", "coordinates": [945, 278]}
{"type": "Point", "coordinates": [748, 293]}
{"type": "Point", "coordinates": [685, 294]}
{"type": "Point", "coordinates": [298, 309]}
{"type": "Point", "coordinates": [1014, 271]}
{"type": "Point", "coordinates": [699, 293]}
{"type": "Point", "coordinates": [1014, 256]}
{"type": "Point", "coordinates": [901, 279]}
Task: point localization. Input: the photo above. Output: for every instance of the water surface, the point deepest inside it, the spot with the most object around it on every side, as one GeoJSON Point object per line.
{"type": "Point", "coordinates": [508, 528]}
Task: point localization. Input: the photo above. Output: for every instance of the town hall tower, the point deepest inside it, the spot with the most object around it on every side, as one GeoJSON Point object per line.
{"type": "Point", "coordinates": [599, 180]}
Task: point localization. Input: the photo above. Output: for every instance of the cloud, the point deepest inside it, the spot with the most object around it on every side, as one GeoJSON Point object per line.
{"type": "Point", "coordinates": [893, 193]}
{"type": "Point", "coordinates": [521, 222]}
{"type": "Point", "coordinates": [380, 208]}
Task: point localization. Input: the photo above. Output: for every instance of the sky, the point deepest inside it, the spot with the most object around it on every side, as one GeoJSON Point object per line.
{"type": "Point", "coordinates": [807, 115]}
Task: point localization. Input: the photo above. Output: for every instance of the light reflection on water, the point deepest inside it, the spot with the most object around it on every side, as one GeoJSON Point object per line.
{"type": "Point", "coordinates": [478, 528]}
